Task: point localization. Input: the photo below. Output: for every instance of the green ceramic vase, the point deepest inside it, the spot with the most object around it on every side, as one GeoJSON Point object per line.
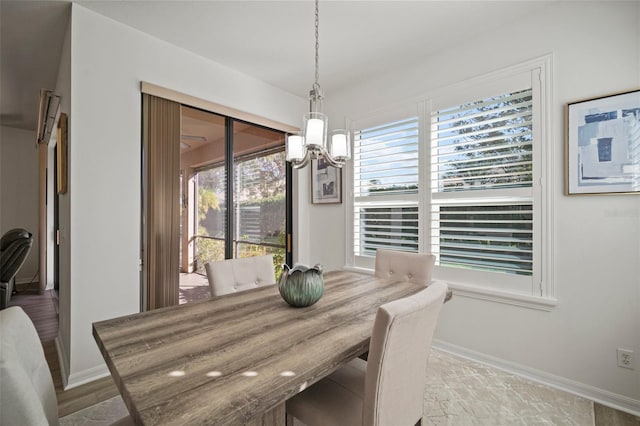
{"type": "Point", "coordinates": [301, 286]}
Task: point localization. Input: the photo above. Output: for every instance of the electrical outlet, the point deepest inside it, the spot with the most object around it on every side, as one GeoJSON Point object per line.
{"type": "Point", "coordinates": [625, 358]}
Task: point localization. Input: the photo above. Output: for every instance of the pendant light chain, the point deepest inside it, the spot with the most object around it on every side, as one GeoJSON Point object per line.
{"type": "Point", "coordinates": [317, 85]}
{"type": "Point", "coordinates": [313, 141]}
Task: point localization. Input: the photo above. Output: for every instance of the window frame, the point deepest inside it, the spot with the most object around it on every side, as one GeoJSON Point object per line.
{"type": "Point", "coordinates": [541, 293]}
{"type": "Point", "coordinates": [496, 281]}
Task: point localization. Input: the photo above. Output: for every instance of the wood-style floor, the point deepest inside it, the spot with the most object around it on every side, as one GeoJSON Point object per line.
{"type": "Point", "coordinates": [43, 311]}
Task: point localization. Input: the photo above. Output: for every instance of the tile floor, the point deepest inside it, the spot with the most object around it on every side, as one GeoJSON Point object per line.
{"type": "Point", "coordinates": [460, 392]}
{"type": "Point", "coordinates": [104, 413]}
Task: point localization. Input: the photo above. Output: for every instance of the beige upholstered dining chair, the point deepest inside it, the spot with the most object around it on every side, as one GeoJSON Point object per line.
{"type": "Point", "coordinates": [389, 388]}
{"type": "Point", "coordinates": [231, 275]}
{"type": "Point", "coordinates": [28, 396]}
{"type": "Point", "coordinates": [404, 266]}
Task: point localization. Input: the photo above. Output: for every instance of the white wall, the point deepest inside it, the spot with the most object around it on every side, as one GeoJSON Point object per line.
{"type": "Point", "coordinates": [108, 62]}
{"type": "Point", "coordinates": [63, 89]}
{"type": "Point", "coordinates": [596, 268]}
{"type": "Point", "coordinates": [19, 191]}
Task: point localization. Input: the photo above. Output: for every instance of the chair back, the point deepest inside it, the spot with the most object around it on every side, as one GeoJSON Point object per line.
{"type": "Point", "coordinates": [398, 355]}
{"type": "Point", "coordinates": [28, 396]}
{"type": "Point", "coordinates": [404, 266]}
{"type": "Point", "coordinates": [15, 245]}
{"type": "Point", "coordinates": [13, 235]}
{"type": "Point", "coordinates": [231, 275]}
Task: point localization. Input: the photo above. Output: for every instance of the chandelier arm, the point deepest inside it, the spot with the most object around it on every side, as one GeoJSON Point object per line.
{"type": "Point", "coordinates": [330, 159]}
{"type": "Point", "coordinates": [302, 163]}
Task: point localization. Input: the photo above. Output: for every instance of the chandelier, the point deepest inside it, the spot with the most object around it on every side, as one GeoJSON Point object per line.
{"type": "Point", "coordinates": [313, 143]}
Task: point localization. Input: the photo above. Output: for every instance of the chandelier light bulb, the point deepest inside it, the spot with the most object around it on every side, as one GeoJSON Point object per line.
{"type": "Point", "coordinates": [340, 144]}
{"type": "Point", "coordinates": [315, 130]}
{"type": "Point", "coordinates": [295, 148]}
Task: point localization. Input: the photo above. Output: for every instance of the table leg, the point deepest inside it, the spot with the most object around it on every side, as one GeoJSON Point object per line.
{"type": "Point", "coordinates": [273, 417]}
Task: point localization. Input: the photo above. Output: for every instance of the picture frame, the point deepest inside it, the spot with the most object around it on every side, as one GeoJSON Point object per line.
{"type": "Point", "coordinates": [602, 148]}
{"type": "Point", "coordinates": [326, 182]}
{"type": "Point", "coordinates": [62, 154]}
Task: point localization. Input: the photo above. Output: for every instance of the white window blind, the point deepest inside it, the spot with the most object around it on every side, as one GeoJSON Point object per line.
{"type": "Point", "coordinates": [471, 189]}
{"type": "Point", "coordinates": [485, 144]}
{"type": "Point", "coordinates": [495, 237]}
{"type": "Point", "coordinates": [386, 187]}
{"type": "Point", "coordinates": [482, 214]}
{"type": "Point", "coordinates": [384, 225]}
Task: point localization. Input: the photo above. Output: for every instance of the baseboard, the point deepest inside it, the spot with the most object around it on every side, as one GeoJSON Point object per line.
{"type": "Point", "coordinates": [601, 396]}
{"type": "Point", "coordinates": [70, 381]}
{"type": "Point", "coordinates": [25, 282]}
{"type": "Point", "coordinates": [86, 376]}
{"type": "Point", "coordinates": [27, 278]}
{"type": "Point", "coordinates": [63, 361]}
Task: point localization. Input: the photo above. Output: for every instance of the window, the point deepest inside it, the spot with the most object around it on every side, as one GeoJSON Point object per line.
{"type": "Point", "coordinates": [468, 190]}
{"type": "Point", "coordinates": [481, 187]}
{"type": "Point", "coordinates": [386, 187]}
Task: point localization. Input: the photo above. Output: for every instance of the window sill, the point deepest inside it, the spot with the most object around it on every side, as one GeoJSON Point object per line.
{"type": "Point", "coordinates": [474, 292]}
{"type": "Point", "coordinates": [491, 295]}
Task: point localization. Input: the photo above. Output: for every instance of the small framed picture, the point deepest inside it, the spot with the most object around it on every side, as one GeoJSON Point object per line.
{"type": "Point", "coordinates": [326, 182]}
{"type": "Point", "coordinates": [603, 145]}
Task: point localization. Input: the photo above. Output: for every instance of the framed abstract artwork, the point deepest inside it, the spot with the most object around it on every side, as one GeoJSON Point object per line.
{"type": "Point", "coordinates": [326, 182]}
{"type": "Point", "coordinates": [603, 145]}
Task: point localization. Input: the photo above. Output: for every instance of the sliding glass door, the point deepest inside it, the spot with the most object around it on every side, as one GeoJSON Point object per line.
{"type": "Point", "coordinates": [242, 199]}
{"type": "Point", "coordinates": [213, 188]}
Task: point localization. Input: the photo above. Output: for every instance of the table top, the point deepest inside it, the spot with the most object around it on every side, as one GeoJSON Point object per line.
{"type": "Point", "coordinates": [229, 359]}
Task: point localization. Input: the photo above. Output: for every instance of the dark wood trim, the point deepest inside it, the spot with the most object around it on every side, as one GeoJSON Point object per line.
{"type": "Point", "coordinates": [229, 171]}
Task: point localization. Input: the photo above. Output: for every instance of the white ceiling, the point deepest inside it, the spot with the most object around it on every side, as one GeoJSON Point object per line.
{"type": "Point", "coordinates": [270, 40]}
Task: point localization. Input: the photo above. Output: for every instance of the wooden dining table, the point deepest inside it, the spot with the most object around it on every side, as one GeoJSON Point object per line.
{"type": "Point", "coordinates": [237, 358]}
